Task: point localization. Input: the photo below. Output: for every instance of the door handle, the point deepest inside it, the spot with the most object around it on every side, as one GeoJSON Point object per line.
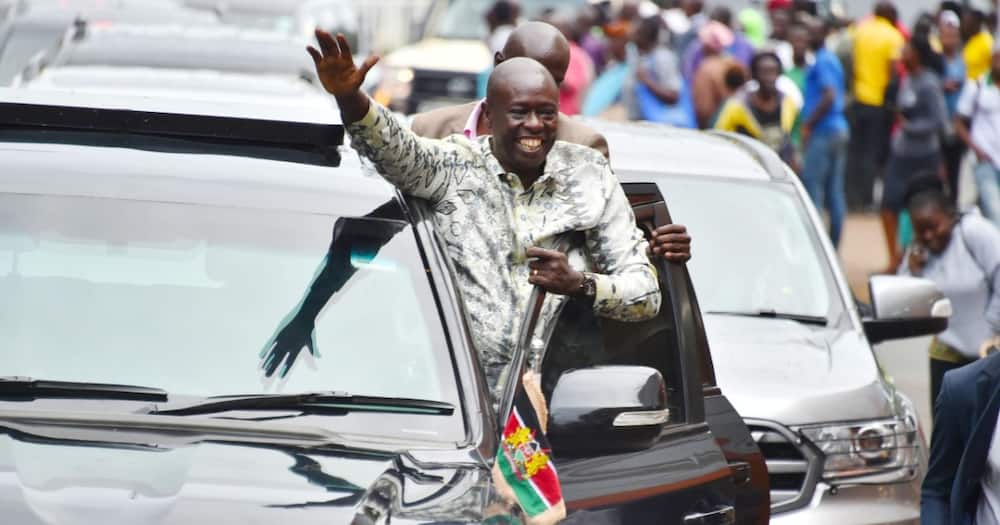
{"type": "Point", "coordinates": [724, 516]}
{"type": "Point", "coordinates": [741, 472]}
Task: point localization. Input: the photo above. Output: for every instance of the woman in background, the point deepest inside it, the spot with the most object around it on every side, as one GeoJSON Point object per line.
{"type": "Point", "coordinates": [916, 146]}
{"type": "Point", "coordinates": [961, 254]}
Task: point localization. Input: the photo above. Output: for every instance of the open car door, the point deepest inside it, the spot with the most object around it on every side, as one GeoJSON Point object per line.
{"type": "Point", "coordinates": [627, 408]}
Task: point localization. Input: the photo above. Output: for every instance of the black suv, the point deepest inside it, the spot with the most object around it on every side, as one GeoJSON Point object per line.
{"type": "Point", "coordinates": [150, 259]}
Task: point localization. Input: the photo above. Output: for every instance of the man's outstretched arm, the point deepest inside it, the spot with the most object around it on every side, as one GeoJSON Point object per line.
{"type": "Point", "coordinates": [421, 167]}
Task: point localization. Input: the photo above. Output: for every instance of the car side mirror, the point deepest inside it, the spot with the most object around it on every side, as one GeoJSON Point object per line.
{"type": "Point", "coordinates": [905, 307]}
{"type": "Point", "coordinates": [605, 409]}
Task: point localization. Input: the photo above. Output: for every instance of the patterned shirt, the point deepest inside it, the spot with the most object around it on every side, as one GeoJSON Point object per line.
{"type": "Point", "coordinates": [487, 220]}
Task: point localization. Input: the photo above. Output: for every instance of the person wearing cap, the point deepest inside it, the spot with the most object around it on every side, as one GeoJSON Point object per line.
{"type": "Point", "coordinates": [708, 85]}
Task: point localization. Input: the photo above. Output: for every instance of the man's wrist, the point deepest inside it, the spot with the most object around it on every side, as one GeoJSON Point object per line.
{"type": "Point", "coordinates": [586, 287]}
{"type": "Point", "coordinates": [353, 107]}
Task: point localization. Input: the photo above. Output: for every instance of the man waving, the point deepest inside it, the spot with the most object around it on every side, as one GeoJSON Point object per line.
{"type": "Point", "coordinates": [503, 201]}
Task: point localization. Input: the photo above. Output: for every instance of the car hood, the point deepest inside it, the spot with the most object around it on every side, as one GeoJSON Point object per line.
{"type": "Point", "coordinates": [46, 480]}
{"type": "Point", "coordinates": [438, 54]}
{"type": "Point", "coordinates": [795, 373]}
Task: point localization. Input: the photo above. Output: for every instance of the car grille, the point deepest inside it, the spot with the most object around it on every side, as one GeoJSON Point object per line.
{"type": "Point", "coordinates": [793, 466]}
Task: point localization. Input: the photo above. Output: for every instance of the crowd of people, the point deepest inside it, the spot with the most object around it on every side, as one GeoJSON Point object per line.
{"type": "Point", "coordinates": [859, 108]}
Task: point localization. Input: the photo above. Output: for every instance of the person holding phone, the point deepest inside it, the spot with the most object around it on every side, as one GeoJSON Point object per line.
{"type": "Point", "coordinates": [961, 254]}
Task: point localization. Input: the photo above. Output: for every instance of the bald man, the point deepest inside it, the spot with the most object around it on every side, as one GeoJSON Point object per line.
{"type": "Point", "coordinates": [536, 40]}
{"type": "Point", "coordinates": [502, 202]}
{"type": "Point", "coordinates": [547, 45]}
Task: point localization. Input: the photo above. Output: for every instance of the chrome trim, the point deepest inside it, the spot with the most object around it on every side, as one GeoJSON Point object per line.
{"type": "Point", "coordinates": [723, 516]}
{"type": "Point", "coordinates": [642, 418]}
{"type": "Point", "coordinates": [810, 467]}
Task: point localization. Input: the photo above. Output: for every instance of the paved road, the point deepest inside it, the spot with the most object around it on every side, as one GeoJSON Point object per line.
{"type": "Point", "coordinates": [863, 253]}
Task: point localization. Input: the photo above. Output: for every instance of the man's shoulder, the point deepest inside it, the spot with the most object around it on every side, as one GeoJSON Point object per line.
{"type": "Point", "coordinates": [573, 153]}
{"type": "Point", "coordinates": [962, 381]}
{"type": "Point", "coordinates": [442, 122]}
{"type": "Point", "coordinates": [573, 131]}
{"type": "Point", "coordinates": [979, 231]}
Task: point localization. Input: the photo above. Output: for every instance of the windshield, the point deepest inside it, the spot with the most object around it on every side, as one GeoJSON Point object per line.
{"type": "Point", "coordinates": [188, 297]}
{"type": "Point", "coordinates": [755, 249]}
{"type": "Point", "coordinates": [465, 19]}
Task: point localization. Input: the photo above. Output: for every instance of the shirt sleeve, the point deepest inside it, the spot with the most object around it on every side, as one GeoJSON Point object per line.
{"type": "Point", "coordinates": [983, 240]}
{"type": "Point", "coordinates": [967, 98]}
{"type": "Point", "coordinates": [667, 69]}
{"type": "Point", "coordinates": [422, 167]}
{"type": "Point", "coordinates": [627, 287]}
{"type": "Point", "coordinates": [731, 117]}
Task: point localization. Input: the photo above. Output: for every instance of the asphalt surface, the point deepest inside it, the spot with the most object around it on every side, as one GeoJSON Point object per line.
{"type": "Point", "coordinates": [863, 253]}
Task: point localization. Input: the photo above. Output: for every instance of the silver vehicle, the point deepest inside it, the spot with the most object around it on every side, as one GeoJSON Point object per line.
{"type": "Point", "coordinates": [790, 347]}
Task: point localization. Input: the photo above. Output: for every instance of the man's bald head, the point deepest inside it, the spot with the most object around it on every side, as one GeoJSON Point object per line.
{"type": "Point", "coordinates": [522, 110]}
{"type": "Point", "coordinates": [541, 42]}
{"type": "Point", "coordinates": [518, 74]}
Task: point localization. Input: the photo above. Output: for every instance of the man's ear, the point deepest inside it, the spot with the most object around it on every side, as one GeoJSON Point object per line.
{"type": "Point", "coordinates": [498, 58]}
{"type": "Point", "coordinates": [486, 114]}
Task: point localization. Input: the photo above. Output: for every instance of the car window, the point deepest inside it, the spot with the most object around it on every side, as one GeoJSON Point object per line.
{"type": "Point", "coordinates": [755, 247]}
{"type": "Point", "coordinates": [578, 338]}
{"type": "Point", "coordinates": [185, 297]}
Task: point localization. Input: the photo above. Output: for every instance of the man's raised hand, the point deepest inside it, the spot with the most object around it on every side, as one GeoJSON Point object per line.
{"type": "Point", "coordinates": [335, 65]}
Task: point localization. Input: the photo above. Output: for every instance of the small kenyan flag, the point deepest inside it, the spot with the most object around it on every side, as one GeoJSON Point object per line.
{"type": "Point", "coordinates": [523, 469]}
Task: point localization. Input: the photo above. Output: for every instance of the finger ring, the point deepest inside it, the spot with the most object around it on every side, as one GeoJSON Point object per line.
{"type": "Point", "coordinates": [534, 272]}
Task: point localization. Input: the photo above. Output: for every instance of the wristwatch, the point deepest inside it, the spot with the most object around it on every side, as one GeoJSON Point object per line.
{"type": "Point", "coordinates": [588, 288]}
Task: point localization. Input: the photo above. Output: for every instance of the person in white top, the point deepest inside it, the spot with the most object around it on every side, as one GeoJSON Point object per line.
{"type": "Point", "coordinates": [977, 123]}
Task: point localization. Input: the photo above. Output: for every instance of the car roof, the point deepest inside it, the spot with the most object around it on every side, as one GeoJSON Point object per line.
{"type": "Point", "coordinates": [299, 96]}
{"type": "Point", "coordinates": [221, 48]}
{"type": "Point", "coordinates": [63, 12]}
{"type": "Point", "coordinates": [661, 149]}
{"type": "Point", "coordinates": [48, 165]}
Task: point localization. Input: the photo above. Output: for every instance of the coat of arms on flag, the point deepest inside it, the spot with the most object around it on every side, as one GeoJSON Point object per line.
{"type": "Point", "coordinates": [523, 470]}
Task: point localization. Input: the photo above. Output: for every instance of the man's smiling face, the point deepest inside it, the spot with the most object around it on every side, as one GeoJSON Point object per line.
{"type": "Point", "coordinates": [522, 108]}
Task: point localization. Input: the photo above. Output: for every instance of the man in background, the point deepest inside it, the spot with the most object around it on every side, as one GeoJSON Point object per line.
{"type": "Point", "coordinates": [877, 44]}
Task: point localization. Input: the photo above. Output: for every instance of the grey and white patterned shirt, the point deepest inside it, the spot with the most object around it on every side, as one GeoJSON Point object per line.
{"type": "Point", "coordinates": [487, 221]}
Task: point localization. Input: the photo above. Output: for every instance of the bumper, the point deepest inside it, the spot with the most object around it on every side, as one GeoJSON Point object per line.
{"type": "Point", "coordinates": [858, 505]}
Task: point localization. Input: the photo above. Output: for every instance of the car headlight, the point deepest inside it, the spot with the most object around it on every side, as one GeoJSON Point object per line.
{"type": "Point", "coordinates": [395, 86]}
{"type": "Point", "coordinates": [881, 451]}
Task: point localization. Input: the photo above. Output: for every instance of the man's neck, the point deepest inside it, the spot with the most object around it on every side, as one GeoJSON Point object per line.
{"type": "Point", "coordinates": [526, 180]}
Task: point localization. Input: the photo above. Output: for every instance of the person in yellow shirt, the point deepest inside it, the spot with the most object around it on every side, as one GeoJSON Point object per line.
{"type": "Point", "coordinates": [978, 48]}
{"type": "Point", "coordinates": [764, 113]}
{"type": "Point", "coordinates": [877, 44]}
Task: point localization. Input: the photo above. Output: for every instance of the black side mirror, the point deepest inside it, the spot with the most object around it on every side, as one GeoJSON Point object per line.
{"type": "Point", "coordinates": [905, 307]}
{"type": "Point", "coordinates": [606, 409]}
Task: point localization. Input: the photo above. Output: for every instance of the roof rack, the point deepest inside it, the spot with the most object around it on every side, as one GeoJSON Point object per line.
{"type": "Point", "coordinates": [310, 143]}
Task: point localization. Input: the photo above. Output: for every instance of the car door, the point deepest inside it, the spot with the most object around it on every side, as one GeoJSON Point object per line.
{"type": "Point", "coordinates": [747, 464]}
{"type": "Point", "coordinates": [679, 475]}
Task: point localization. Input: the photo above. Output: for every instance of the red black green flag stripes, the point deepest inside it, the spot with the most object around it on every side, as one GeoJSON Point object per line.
{"type": "Point", "coordinates": [524, 465]}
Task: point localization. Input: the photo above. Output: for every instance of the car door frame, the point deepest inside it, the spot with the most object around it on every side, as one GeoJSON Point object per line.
{"type": "Point", "coordinates": [700, 490]}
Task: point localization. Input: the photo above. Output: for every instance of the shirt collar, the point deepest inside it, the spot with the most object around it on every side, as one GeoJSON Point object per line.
{"type": "Point", "coordinates": [472, 125]}
{"type": "Point", "coordinates": [557, 164]}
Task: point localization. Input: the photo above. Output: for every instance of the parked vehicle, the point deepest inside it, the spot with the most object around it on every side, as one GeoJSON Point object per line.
{"type": "Point", "coordinates": [148, 254]}
{"type": "Point", "coordinates": [299, 99]}
{"type": "Point", "coordinates": [790, 348]}
{"type": "Point", "coordinates": [36, 28]}
{"type": "Point", "coordinates": [216, 48]}
{"type": "Point", "coordinates": [449, 64]}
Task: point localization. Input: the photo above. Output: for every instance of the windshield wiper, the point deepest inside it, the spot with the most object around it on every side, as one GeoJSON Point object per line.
{"type": "Point", "coordinates": [35, 388]}
{"type": "Point", "coordinates": [771, 314]}
{"type": "Point", "coordinates": [312, 402]}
